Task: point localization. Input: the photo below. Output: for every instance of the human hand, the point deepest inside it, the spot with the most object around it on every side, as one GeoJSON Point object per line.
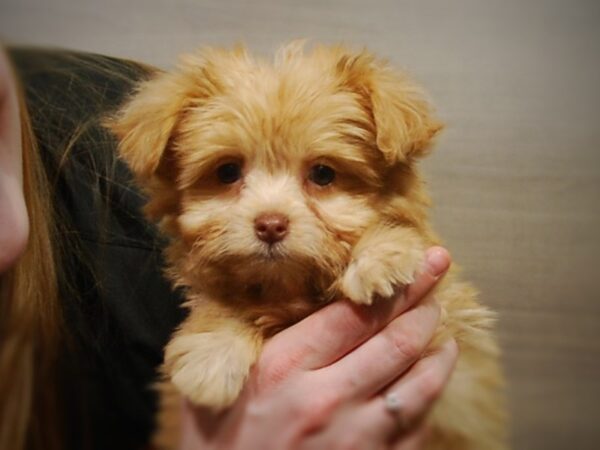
{"type": "Point", "coordinates": [14, 223]}
{"type": "Point", "coordinates": [324, 383]}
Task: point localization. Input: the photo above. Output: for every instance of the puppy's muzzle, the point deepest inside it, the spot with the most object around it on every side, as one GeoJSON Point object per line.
{"type": "Point", "coordinates": [271, 227]}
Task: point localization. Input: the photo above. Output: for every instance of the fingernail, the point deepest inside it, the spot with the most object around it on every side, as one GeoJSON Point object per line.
{"type": "Point", "coordinates": [438, 260]}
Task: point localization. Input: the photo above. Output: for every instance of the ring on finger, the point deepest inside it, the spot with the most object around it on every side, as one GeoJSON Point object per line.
{"type": "Point", "coordinates": [394, 405]}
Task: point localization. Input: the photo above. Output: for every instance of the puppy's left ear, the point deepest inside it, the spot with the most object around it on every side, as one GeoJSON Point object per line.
{"type": "Point", "coordinates": [402, 115]}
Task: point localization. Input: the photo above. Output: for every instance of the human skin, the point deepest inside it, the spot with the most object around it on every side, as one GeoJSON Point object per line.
{"type": "Point", "coordinates": [319, 384]}
{"type": "Point", "coordinates": [14, 222]}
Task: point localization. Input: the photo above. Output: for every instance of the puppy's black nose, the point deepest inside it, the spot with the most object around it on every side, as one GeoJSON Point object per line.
{"type": "Point", "coordinates": [271, 227]}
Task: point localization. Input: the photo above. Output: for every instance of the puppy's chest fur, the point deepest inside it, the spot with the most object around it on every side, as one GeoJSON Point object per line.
{"type": "Point", "coordinates": [270, 306]}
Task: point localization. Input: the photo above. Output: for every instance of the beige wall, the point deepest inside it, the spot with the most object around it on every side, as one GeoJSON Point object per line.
{"type": "Point", "coordinates": [516, 177]}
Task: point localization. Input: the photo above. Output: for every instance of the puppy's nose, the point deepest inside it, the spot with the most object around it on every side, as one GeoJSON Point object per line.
{"type": "Point", "coordinates": [271, 227]}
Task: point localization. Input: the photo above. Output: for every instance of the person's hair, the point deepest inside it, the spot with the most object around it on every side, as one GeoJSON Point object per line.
{"type": "Point", "coordinates": [38, 295]}
{"type": "Point", "coordinates": [30, 320]}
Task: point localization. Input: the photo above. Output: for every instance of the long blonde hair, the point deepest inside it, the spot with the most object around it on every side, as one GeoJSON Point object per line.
{"type": "Point", "coordinates": [30, 319]}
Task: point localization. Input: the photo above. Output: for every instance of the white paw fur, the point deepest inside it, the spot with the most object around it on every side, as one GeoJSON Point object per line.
{"type": "Point", "coordinates": [377, 271]}
{"type": "Point", "coordinates": [210, 368]}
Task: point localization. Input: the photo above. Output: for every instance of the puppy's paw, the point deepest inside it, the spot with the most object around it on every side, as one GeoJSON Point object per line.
{"type": "Point", "coordinates": [210, 368]}
{"type": "Point", "coordinates": [378, 274]}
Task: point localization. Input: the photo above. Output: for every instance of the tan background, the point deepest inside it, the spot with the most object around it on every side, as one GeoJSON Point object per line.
{"type": "Point", "coordinates": [516, 177]}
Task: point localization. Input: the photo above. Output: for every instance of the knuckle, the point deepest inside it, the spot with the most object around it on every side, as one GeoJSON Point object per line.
{"type": "Point", "coordinates": [405, 347]}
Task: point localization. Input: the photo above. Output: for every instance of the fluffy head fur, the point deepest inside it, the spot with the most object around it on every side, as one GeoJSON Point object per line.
{"type": "Point", "coordinates": [277, 119]}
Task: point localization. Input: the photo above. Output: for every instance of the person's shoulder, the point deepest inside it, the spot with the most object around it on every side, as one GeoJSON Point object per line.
{"type": "Point", "coordinates": [68, 94]}
{"type": "Point", "coordinates": [74, 70]}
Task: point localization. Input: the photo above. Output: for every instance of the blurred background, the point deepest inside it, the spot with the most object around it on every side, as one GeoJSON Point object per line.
{"type": "Point", "coordinates": [515, 177]}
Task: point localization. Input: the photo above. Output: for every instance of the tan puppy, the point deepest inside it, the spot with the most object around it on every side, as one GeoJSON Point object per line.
{"type": "Point", "coordinates": [287, 185]}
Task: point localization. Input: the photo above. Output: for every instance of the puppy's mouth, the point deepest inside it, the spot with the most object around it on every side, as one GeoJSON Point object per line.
{"type": "Point", "coordinates": [273, 253]}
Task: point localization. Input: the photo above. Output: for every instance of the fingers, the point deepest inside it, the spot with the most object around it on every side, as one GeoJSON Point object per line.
{"type": "Point", "coordinates": [412, 397]}
{"type": "Point", "coordinates": [423, 384]}
{"type": "Point", "coordinates": [388, 354]}
{"type": "Point", "coordinates": [437, 262]}
{"type": "Point", "coordinates": [329, 334]}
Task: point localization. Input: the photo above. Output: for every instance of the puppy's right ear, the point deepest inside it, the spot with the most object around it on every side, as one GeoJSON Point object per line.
{"type": "Point", "coordinates": [145, 124]}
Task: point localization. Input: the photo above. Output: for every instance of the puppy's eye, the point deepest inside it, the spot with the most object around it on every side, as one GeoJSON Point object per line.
{"type": "Point", "coordinates": [321, 174]}
{"type": "Point", "coordinates": [229, 173]}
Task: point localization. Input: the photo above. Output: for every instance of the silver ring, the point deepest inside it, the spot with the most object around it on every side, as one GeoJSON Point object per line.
{"type": "Point", "coordinates": [395, 407]}
{"type": "Point", "coordinates": [392, 403]}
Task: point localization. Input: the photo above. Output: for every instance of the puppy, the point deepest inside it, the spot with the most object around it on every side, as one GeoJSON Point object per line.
{"type": "Point", "coordinates": [284, 186]}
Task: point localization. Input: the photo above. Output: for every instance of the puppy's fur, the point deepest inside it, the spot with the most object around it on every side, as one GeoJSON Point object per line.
{"type": "Point", "coordinates": [358, 237]}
